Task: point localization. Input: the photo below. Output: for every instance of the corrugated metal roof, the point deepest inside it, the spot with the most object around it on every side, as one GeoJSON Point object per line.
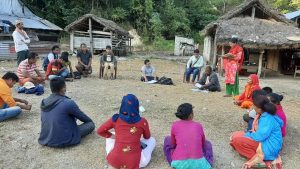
{"type": "Point", "coordinates": [13, 10]}
{"type": "Point", "coordinates": [292, 15]}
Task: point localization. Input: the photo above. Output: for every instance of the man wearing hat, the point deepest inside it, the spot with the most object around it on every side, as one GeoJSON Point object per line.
{"type": "Point", "coordinates": [10, 106]}
{"type": "Point", "coordinates": [194, 66]}
{"type": "Point", "coordinates": [21, 41]}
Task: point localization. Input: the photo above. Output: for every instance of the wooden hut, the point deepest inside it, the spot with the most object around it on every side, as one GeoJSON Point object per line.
{"type": "Point", "coordinates": [271, 39]}
{"type": "Point", "coordinates": [97, 33]}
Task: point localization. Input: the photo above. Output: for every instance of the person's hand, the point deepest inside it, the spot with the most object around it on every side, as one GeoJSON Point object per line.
{"type": "Point", "coordinates": [24, 101]}
{"type": "Point", "coordinates": [26, 107]}
{"type": "Point", "coordinates": [86, 66]}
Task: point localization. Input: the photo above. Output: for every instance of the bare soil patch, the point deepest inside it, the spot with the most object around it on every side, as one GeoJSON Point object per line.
{"type": "Point", "coordinates": [100, 99]}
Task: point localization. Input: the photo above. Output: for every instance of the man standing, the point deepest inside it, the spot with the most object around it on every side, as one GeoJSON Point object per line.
{"type": "Point", "coordinates": [8, 105]}
{"type": "Point", "coordinates": [232, 65]}
{"type": "Point", "coordinates": [28, 71]}
{"type": "Point", "coordinates": [51, 56]}
{"type": "Point", "coordinates": [84, 57]}
{"type": "Point", "coordinates": [194, 66]}
{"type": "Point", "coordinates": [21, 41]}
{"type": "Point", "coordinates": [59, 115]}
{"type": "Point", "coordinates": [209, 80]}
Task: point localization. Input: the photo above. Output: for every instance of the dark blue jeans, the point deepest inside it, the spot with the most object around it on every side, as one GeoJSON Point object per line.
{"type": "Point", "coordinates": [86, 128]}
{"type": "Point", "coordinates": [192, 70]}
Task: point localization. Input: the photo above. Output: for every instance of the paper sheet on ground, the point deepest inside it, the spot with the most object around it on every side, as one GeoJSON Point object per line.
{"type": "Point", "coordinates": [198, 90]}
{"type": "Point", "coordinates": [151, 82]}
{"type": "Point", "coordinates": [198, 85]}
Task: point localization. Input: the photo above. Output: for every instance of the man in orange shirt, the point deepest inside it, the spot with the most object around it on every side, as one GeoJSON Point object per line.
{"type": "Point", "coordinates": [8, 105]}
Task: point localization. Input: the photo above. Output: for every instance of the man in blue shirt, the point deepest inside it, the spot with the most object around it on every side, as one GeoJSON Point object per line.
{"type": "Point", "coordinates": [84, 57]}
{"type": "Point", "coordinates": [59, 115]}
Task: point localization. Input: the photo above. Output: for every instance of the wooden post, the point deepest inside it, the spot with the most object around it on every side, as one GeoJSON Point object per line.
{"type": "Point", "coordinates": [214, 61]}
{"type": "Point", "coordinates": [72, 41]}
{"type": "Point", "coordinates": [260, 62]}
{"type": "Point", "coordinates": [221, 72]}
{"type": "Point", "coordinates": [253, 12]}
{"type": "Point", "coordinates": [91, 36]}
{"type": "Point", "coordinates": [130, 45]}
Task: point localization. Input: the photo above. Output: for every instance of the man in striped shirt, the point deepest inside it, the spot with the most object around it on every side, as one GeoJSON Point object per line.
{"type": "Point", "coordinates": [28, 71]}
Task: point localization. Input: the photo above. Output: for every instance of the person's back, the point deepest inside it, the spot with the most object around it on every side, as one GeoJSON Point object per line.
{"type": "Point", "coordinates": [189, 138]}
{"type": "Point", "coordinates": [58, 118]}
{"type": "Point", "coordinates": [55, 117]}
{"type": "Point", "coordinates": [187, 146]}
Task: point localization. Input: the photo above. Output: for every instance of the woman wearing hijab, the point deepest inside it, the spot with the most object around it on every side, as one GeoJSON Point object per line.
{"type": "Point", "coordinates": [125, 149]}
{"type": "Point", "coordinates": [264, 142]}
{"type": "Point", "coordinates": [245, 100]}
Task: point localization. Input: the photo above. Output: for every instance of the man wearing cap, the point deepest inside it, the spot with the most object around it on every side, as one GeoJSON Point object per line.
{"type": "Point", "coordinates": [194, 66]}
{"type": "Point", "coordinates": [9, 106]}
{"type": "Point", "coordinates": [232, 62]}
{"type": "Point", "coordinates": [28, 70]}
{"type": "Point", "coordinates": [21, 41]}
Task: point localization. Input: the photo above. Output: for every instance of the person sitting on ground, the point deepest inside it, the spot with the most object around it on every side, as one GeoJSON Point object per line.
{"type": "Point", "coordinates": [264, 142]}
{"type": "Point", "coordinates": [245, 99]}
{"type": "Point", "coordinates": [29, 72]}
{"type": "Point", "coordinates": [276, 99]}
{"type": "Point", "coordinates": [194, 65]}
{"type": "Point", "coordinates": [58, 67]}
{"type": "Point", "coordinates": [51, 56]}
{"type": "Point", "coordinates": [58, 115]}
{"type": "Point", "coordinates": [148, 72]}
{"type": "Point", "coordinates": [9, 106]}
{"type": "Point", "coordinates": [268, 90]}
{"type": "Point", "coordinates": [250, 116]}
{"type": "Point", "coordinates": [125, 148]}
{"type": "Point", "coordinates": [84, 57]}
{"type": "Point", "coordinates": [67, 63]}
{"type": "Point", "coordinates": [209, 80]}
{"type": "Point", "coordinates": [187, 146]}
{"type": "Point", "coordinates": [109, 61]}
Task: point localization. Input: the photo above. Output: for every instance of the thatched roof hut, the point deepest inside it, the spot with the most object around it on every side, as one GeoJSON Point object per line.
{"type": "Point", "coordinates": [258, 27]}
{"type": "Point", "coordinates": [97, 33]}
{"type": "Point", "coordinates": [268, 30]}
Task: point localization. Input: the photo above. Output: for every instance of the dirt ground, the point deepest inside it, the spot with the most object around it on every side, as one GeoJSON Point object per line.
{"type": "Point", "coordinates": [100, 99]}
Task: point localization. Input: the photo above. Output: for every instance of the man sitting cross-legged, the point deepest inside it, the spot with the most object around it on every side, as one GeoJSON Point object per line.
{"type": "Point", "coordinates": [29, 72]}
{"type": "Point", "coordinates": [59, 115]}
{"type": "Point", "coordinates": [209, 80]}
{"type": "Point", "coordinates": [9, 106]}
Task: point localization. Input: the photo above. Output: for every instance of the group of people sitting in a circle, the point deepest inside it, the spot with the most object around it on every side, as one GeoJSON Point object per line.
{"type": "Point", "coordinates": [185, 148]}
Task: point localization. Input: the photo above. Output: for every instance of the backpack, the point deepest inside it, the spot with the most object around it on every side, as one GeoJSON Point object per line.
{"type": "Point", "coordinates": [165, 81]}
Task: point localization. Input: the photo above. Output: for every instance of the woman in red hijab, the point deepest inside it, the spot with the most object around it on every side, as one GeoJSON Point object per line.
{"type": "Point", "coordinates": [245, 99]}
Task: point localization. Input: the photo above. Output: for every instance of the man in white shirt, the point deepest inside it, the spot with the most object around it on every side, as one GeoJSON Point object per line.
{"type": "Point", "coordinates": [194, 66]}
{"type": "Point", "coordinates": [21, 41]}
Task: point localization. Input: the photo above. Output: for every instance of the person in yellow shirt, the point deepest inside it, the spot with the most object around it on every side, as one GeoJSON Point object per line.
{"type": "Point", "coordinates": [9, 106]}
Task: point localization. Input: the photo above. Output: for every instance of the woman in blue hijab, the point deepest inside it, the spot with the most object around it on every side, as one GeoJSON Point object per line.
{"type": "Point", "coordinates": [124, 148]}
